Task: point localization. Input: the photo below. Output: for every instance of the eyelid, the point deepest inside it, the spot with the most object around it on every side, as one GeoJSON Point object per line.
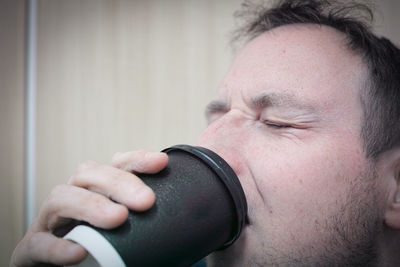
{"type": "Point", "coordinates": [277, 125]}
{"type": "Point", "coordinates": [284, 125]}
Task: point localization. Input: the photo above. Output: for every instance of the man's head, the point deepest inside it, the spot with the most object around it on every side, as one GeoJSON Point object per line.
{"type": "Point", "coordinates": [301, 117]}
{"type": "Point", "coordinates": [381, 95]}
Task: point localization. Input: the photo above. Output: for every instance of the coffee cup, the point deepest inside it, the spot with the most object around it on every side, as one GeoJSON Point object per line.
{"type": "Point", "coordinates": [200, 207]}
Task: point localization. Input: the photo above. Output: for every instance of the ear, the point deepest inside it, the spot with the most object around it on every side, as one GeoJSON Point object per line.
{"type": "Point", "coordinates": [389, 169]}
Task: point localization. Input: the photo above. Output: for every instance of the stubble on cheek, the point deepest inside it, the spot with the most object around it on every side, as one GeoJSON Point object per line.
{"type": "Point", "coordinates": [348, 236]}
{"type": "Point", "coordinates": [344, 236]}
{"type": "Point", "coordinates": [358, 223]}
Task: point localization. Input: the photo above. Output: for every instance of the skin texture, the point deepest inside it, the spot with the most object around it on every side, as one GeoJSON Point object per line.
{"type": "Point", "coordinates": [88, 196]}
{"type": "Point", "coordinates": [314, 198]}
{"type": "Point", "coordinates": [287, 118]}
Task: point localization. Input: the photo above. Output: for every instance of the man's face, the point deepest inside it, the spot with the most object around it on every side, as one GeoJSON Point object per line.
{"type": "Point", "coordinates": [287, 118]}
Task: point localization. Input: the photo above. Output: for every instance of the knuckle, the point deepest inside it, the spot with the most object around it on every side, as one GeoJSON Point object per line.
{"type": "Point", "coordinates": [115, 158]}
{"type": "Point", "coordinates": [141, 152]}
{"type": "Point", "coordinates": [81, 169]}
{"type": "Point", "coordinates": [140, 158]}
{"type": "Point", "coordinates": [137, 155]}
{"type": "Point", "coordinates": [32, 242]}
{"type": "Point", "coordinates": [88, 164]}
{"type": "Point", "coordinates": [130, 161]}
{"type": "Point", "coordinates": [72, 180]}
{"type": "Point", "coordinates": [50, 205]}
{"type": "Point", "coordinates": [75, 179]}
{"type": "Point", "coordinates": [54, 251]}
{"type": "Point", "coordinates": [56, 191]}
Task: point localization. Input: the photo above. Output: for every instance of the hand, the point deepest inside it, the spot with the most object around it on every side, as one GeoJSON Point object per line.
{"type": "Point", "coordinates": [98, 194]}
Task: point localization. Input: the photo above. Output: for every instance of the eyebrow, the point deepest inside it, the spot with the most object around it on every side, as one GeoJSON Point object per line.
{"type": "Point", "coordinates": [216, 106]}
{"type": "Point", "coordinates": [264, 100]}
{"type": "Point", "coordinates": [273, 99]}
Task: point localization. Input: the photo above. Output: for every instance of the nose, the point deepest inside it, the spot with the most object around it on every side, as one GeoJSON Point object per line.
{"type": "Point", "coordinates": [224, 138]}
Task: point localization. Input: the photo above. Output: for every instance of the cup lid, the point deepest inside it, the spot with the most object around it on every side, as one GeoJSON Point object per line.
{"type": "Point", "coordinates": [227, 176]}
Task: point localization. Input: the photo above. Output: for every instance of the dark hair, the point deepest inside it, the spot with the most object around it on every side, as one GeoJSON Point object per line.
{"type": "Point", "coordinates": [381, 98]}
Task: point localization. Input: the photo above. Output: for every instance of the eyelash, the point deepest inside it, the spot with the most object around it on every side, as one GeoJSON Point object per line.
{"type": "Point", "coordinates": [277, 125]}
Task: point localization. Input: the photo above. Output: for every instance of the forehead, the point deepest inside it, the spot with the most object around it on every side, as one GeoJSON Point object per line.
{"type": "Point", "coordinates": [308, 61]}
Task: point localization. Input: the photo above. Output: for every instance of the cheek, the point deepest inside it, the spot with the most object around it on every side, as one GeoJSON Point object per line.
{"type": "Point", "coordinates": [298, 180]}
{"type": "Point", "coordinates": [300, 189]}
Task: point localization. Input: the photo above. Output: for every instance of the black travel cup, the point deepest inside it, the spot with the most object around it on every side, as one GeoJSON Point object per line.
{"type": "Point", "coordinates": [200, 207]}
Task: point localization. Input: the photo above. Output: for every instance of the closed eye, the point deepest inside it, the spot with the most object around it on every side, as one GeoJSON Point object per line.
{"type": "Point", "coordinates": [277, 125]}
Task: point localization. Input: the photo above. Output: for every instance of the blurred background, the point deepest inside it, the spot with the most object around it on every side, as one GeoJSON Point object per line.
{"type": "Point", "coordinates": [112, 75]}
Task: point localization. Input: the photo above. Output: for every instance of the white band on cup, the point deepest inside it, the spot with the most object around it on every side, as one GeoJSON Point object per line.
{"type": "Point", "coordinates": [97, 246]}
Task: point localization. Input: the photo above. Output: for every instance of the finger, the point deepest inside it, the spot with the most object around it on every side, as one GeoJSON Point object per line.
{"type": "Point", "coordinates": [141, 161]}
{"type": "Point", "coordinates": [121, 186]}
{"type": "Point", "coordinates": [66, 201]}
{"type": "Point", "coordinates": [43, 247]}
